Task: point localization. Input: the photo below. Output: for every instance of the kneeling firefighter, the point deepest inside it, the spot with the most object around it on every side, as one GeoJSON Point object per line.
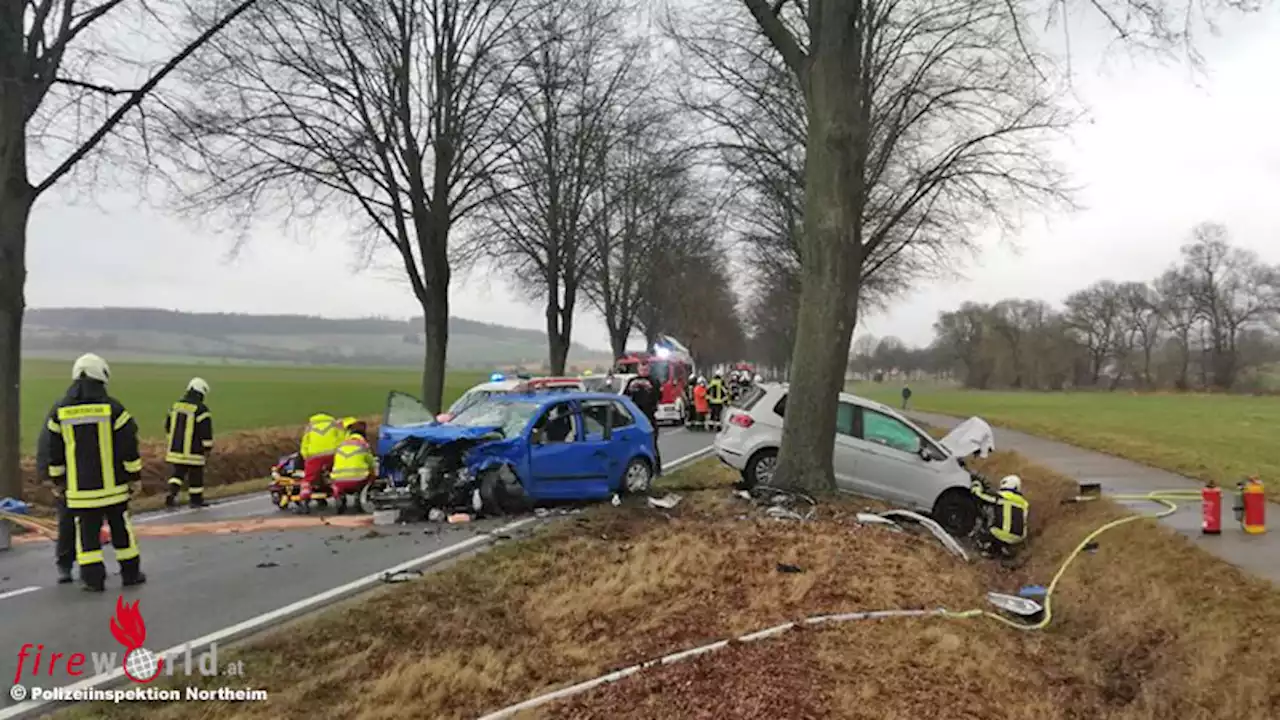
{"type": "Point", "coordinates": [1005, 521]}
{"type": "Point", "coordinates": [319, 443]}
{"type": "Point", "coordinates": [189, 430]}
{"type": "Point", "coordinates": [353, 465]}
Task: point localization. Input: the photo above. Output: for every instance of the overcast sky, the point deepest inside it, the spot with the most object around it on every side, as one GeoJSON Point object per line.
{"type": "Point", "coordinates": [1160, 156]}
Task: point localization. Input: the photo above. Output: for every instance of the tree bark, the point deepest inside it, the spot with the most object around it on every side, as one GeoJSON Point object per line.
{"type": "Point", "coordinates": [831, 258]}
{"type": "Point", "coordinates": [435, 320]}
{"type": "Point", "coordinates": [618, 341]}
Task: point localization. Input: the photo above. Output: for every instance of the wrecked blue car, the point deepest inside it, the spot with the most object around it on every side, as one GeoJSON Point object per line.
{"type": "Point", "coordinates": [511, 452]}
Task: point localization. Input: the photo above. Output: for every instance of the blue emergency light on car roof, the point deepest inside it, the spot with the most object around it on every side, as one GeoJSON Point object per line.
{"type": "Point", "coordinates": [497, 377]}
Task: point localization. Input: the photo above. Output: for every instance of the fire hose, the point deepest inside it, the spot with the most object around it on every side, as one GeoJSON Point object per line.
{"type": "Point", "coordinates": [1168, 498]}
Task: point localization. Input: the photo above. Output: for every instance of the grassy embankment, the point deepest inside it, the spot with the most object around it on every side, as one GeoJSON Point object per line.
{"type": "Point", "coordinates": [1209, 437]}
{"type": "Point", "coordinates": [1147, 628]}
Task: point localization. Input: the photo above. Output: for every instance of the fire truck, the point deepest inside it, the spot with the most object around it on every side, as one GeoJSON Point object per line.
{"type": "Point", "coordinates": [670, 367]}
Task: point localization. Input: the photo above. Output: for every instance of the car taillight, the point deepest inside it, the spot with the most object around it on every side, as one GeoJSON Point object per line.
{"type": "Point", "coordinates": [743, 421]}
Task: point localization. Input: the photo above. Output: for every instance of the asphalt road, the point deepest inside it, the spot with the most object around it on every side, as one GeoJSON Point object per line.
{"type": "Point", "coordinates": [215, 588]}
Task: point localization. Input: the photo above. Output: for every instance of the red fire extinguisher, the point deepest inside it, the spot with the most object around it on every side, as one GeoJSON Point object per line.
{"type": "Point", "coordinates": [1211, 499]}
{"type": "Point", "coordinates": [1254, 499]}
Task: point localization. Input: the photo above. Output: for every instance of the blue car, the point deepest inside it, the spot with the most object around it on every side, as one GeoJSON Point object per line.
{"type": "Point", "coordinates": [510, 452]}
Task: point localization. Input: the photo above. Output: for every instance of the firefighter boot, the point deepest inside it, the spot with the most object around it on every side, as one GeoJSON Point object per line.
{"type": "Point", "coordinates": [131, 572]}
{"type": "Point", "coordinates": [342, 504]}
{"type": "Point", "coordinates": [64, 574]}
{"type": "Point", "coordinates": [93, 577]}
{"type": "Point", "coordinates": [196, 500]}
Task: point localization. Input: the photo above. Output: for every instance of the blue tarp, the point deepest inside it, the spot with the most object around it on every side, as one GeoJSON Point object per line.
{"type": "Point", "coordinates": [10, 505]}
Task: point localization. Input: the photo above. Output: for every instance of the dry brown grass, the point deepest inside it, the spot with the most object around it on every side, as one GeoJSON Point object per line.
{"type": "Point", "coordinates": [1148, 627]}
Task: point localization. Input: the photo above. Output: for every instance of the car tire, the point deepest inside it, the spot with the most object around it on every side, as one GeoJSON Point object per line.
{"type": "Point", "coordinates": [957, 512]}
{"type": "Point", "coordinates": [637, 478]}
{"type": "Point", "coordinates": [763, 461]}
{"type": "Point", "coordinates": [501, 492]}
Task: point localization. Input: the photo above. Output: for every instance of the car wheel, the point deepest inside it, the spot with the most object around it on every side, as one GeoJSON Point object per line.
{"type": "Point", "coordinates": [956, 512]}
{"type": "Point", "coordinates": [760, 468]}
{"type": "Point", "coordinates": [501, 492]}
{"type": "Point", "coordinates": [637, 478]}
{"type": "Point", "coordinates": [364, 503]}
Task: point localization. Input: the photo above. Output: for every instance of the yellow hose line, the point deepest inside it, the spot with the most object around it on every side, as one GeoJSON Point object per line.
{"type": "Point", "coordinates": [1165, 498]}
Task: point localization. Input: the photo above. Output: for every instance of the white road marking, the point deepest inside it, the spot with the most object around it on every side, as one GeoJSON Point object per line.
{"type": "Point", "coordinates": [19, 591]}
{"type": "Point", "coordinates": [686, 459]}
{"type": "Point", "coordinates": [270, 618]}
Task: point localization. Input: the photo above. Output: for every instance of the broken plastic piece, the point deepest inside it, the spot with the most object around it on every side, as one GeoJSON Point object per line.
{"type": "Point", "coordinates": [616, 501]}
{"type": "Point", "coordinates": [789, 568]}
{"type": "Point", "coordinates": [943, 536]}
{"type": "Point", "coordinates": [665, 502]}
{"type": "Point", "coordinates": [873, 519]}
{"type": "Point", "coordinates": [435, 515]}
{"type": "Point", "coordinates": [745, 495]}
{"type": "Point", "coordinates": [458, 518]}
{"type": "Point", "coordinates": [402, 576]}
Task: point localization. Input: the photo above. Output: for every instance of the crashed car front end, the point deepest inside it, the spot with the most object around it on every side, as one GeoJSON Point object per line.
{"type": "Point", "coordinates": [443, 468]}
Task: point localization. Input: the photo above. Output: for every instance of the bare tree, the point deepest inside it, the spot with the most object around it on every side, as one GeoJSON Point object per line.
{"type": "Point", "coordinates": [56, 111]}
{"type": "Point", "coordinates": [1141, 317]}
{"type": "Point", "coordinates": [923, 120]}
{"type": "Point", "coordinates": [965, 333]}
{"type": "Point", "coordinates": [1178, 313]}
{"type": "Point", "coordinates": [1095, 313]}
{"type": "Point", "coordinates": [644, 190]}
{"type": "Point", "coordinates": [388, 111]}
{"type": "Point", "coordinates": [576, 83]}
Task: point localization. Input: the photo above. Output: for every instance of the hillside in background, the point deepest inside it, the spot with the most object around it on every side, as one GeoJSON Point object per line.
{"type": "Point", "coordinates": [137, 333]}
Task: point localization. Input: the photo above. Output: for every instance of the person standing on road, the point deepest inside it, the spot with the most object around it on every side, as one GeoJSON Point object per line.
{"type": "Point", "coordinates": [701, 408]}
{"type": "Point", "coordinates": [717, 396]}
{"type": "Point", "coordinates": [906, 396]}
{"type": "Point", "coordinates": [319, 443]}
{"type": "Point", "coordinates": [189, 431]}
{"type": "Point", "coordinates": [643, 393]}
{"type": "Point", "coordinates": [89, 451]}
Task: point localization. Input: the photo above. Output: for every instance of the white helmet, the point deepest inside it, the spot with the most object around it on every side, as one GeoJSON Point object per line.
{"type": "Point", "coordinates": [199, 385]}
{"type": "Point", "coordinates": [1011, 482]}
{"type": "Point", "coordinates": [92, 367]}
{"type": "Point", "coordinates": [757, 379]}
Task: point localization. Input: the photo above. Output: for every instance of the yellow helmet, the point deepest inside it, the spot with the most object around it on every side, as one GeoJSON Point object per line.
{"type": "Point", "coordinates": [349, 421]}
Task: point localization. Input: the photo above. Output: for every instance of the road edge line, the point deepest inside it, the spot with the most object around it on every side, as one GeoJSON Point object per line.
{"type": "Point", "coordinates": [254, 624]}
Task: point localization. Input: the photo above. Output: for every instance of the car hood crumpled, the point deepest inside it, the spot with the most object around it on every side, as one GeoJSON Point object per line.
{"type": "Point", "coordinates": [969, 437]}
{"type": "Point", "coordinates": [439, 433]}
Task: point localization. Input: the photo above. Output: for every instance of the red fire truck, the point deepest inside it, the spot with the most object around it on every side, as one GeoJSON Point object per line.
{"type": "Point", "coordinates": [671, 369]}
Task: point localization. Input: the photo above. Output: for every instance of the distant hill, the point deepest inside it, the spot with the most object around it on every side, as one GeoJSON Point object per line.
{"type": "Point", "coordinates": [151, 333]}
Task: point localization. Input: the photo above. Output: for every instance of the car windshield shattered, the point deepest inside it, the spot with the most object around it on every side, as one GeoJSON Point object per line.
{"type": "Point", "coordinates": [510, 416]}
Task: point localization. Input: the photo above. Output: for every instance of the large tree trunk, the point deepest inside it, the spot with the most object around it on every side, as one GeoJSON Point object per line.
{"type": "Point", "coordinates": [435, 316]}
{"type": "Point", "coordinates": [557, 343]}
{"type": "Point", "coordinates": [829, 270]}
{"type": "Point", "coordinates": [16, 199]}
{"type": "Point", "coordinates": [618, 341]}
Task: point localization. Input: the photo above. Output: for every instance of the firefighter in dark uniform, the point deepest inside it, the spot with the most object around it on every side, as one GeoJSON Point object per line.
{"type": "Point", "coordinates": [89, 450]}
{"type": "Point", "coordinates": [1005, 524]}
{"type": "Point", "coordinates": [189, 429]}
{"type": "Point", "coordinates": [645, 396]}
{"type": "Point", "coordinates": [717, 396]}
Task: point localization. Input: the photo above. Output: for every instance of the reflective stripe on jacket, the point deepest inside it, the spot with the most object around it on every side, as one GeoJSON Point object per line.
{"type": "Point", "coordinates": [716, 394]}
{"type": "Point", "coordinates": [352, 460]}
{"type": "Point", "coordinates": [89, 446]}
{"type": "Point", "coordinates": [323, 436]}
{"type": "Point", "coordinates": [189, 429]}
{"type": "Point", "coordinates": [1013, 510]}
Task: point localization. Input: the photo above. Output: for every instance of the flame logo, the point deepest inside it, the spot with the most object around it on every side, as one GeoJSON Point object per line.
{"type": "Point", "coordinates": [129, 629]}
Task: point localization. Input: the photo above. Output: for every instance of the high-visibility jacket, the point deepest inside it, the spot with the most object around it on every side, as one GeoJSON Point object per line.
{"type": "Point", "coordinates": [189, 430]}
{"type": "Point", "coordinates": [324, 435]}
{"type": "Point", "coordinates": [353, 460]}
{"type": "Point", "coordinates": [716, 394]}
{"type": "Point", "coordinates": [89, 447]}
{"type": "Point", "coordinates": [1011, 516]}
{"type": "Point", "coordinates": [700, 399]}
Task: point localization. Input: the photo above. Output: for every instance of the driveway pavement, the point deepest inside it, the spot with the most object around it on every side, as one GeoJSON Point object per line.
{"type": "Point", "coordinates": [1258, 554]}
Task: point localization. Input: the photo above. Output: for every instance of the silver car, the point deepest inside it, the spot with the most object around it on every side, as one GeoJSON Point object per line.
{"type": "Point", "coordinates": [878, 453]}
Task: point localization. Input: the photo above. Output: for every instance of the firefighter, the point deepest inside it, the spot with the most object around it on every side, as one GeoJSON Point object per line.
{"type": "Point", "coordinates": [717, 396]}
{"type": "Point", "coordinates": [89, 450]}
{"type": "Point", "coordinates": [353, 464]}
{"type": "Point", "coordinates": [319, 442]}
{"type": "Point", "coordinates": [1006, 526]}
{"type": "Point", "coordinates": [189, 430]}
{"type": "Point", "coordinates": [700, 405]}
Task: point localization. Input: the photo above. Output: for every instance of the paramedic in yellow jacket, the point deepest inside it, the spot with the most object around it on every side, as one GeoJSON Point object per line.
{"type": "Point", "coordinates": [323, 436]}
{"type": "Point", "coordinates": [353, 465]}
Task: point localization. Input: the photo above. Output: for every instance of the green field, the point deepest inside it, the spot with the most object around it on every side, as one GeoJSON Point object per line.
{"type": "Point", "coordinates": [241, 396]}
{"type": "Point", "coordinates": [1210, 437]}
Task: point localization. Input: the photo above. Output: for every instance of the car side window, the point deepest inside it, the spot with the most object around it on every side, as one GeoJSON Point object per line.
{"type": "Point", "coordinates": [621, 416]}
{"type": "Point", "coordinates": [880, 428]}
{"type": "Point", "coordinates": [595, 416]}
{"type": "Point", "coordinates": [556, 425]}
{"type": "Point", "coordinates": [781, 408]}
{"type": "Point", "coordinates": [845, 415]}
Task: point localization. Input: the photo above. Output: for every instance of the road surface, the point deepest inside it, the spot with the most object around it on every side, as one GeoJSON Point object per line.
{"type": "Point", "coordinates": [206, 588]}
{"type": "Point", "coordinates": [1258, 554]}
